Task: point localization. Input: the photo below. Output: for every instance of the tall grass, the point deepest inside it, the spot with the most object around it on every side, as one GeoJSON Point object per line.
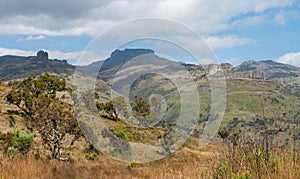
{"type": "Point", "coordinates": [248, 157]}
{"type": "Point", "coordinates": [244, 158]}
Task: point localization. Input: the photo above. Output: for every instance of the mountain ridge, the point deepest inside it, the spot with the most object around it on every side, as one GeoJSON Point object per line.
{"type": "Point", "coordinates": [13, 66]}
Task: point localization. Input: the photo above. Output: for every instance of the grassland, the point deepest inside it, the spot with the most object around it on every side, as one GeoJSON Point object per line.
{"type": "Point", "coordinates": [216, 160]}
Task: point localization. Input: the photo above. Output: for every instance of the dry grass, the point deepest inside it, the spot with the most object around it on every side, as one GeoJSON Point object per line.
{"type": "Point", "coordinates": [185, 163]}
{"type": "Point", "coordinates": [250, 159]}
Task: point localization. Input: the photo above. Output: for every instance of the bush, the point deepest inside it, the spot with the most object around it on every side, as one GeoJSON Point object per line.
{"type": "Point", "coordinates": [91, 156]}
{"type": "Point", "coordinates": [135, 164]}
{"type": "Point", "coordinates": [12, 121]}
{"type": "Point", "coordinates": [242, 176]}
{"type": "Point", "coordinates": [12, 150]}
{"type": "Point", "coordinates": [18, 142]}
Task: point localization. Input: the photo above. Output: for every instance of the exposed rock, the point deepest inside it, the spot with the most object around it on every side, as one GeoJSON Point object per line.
{"type": "Point", "coordinates": [42, 55]}
{"type": "Point", "coordinates": [226, 66]}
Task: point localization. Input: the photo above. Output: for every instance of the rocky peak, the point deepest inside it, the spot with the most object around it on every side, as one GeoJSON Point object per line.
{"type": "Point", "coordinates": [42, 55]}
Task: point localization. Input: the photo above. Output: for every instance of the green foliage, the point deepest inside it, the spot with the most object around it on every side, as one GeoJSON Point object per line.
{"type": "Point", "coordinates": [114, 109]}
{"type": "Point", "coordinates": [92, 156]}
{"type": "Point", "coordinates": [223, 167]}
{"type": "Point", "coordinates": [119, 133]}
{"type": "Point", "coordinates": [36, 97]}
{"type": "Point", "coordinates": [140, 107]}
{"type": "Point", "coordinates": [24, 93]}
{"type": "Point", "coordinates": [12, 150]}
{"type": "Point", "coordinates": [135, 165]}
{"type": "Point", "coordinates": [224, 133]}
{"type": "Point", "coordinates": [20, 141]}
{"type": "Point", "coordinates": [14, 141]}
{"type": "Point", "coordinates": [12, 121]}
{"type": "Point", "coordinates": [242, 176]}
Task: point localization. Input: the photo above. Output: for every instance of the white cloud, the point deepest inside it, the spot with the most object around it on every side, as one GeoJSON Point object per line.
{"type": "Point", "coordinates": [263, 5]}
{"type": "Point", "coordinates": [89, 56]}
{"type": "Point", "coordinates": [39, 37]}
{"type": "Point", "coordinates": [280, 18]}
{"type": "Point", "coordinates": [249, 21]}
{"type": "Point", "coordinates": [53, 17]}
{"type": "Point", "coordinates": [292, 58]}
{"type": "Point", "coordinates": [31, 38]}
{"type": "Point", "coordinates": [227, 41]}
{"type": "Point", "coordinates": [6, 51]}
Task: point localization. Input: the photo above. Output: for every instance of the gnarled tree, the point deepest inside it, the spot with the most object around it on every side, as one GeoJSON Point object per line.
{"type": "Point", "coordinates": [53, 119]}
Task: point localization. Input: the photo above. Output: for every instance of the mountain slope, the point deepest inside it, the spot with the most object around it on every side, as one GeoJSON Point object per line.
{"type": "Point", "coordinates": [273, 70]}
{"type": "Point", "coordinates": [111, 66]}
{"type": "Point", "coordinates": [13, 67]}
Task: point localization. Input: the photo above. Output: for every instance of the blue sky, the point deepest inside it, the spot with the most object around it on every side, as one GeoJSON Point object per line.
{"type": "Point", "coordinates": [236, 30]}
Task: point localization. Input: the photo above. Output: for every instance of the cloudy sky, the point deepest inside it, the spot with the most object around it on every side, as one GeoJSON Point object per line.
{"type": "Point", "coordinates": [236, 30]}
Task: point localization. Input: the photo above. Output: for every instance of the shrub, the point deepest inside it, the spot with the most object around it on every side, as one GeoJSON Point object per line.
{"type": "Point", "coordinates": [12, 121]}
{"type": "Point", "coordinates": [12, 150]}
{"type": "Point", "coordinates": [135, 164]}
{"type": "Point", "coordinates": [92, 156]}
{"type": "Point", "coordinates": [18, 142]}
{"type": "Point", "coordinates": [242, 176]}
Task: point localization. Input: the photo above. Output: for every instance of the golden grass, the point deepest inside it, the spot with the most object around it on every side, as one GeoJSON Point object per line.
{"type": "Point", "coordinates": [185, 163]}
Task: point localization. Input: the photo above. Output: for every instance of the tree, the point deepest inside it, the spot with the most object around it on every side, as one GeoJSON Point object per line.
{"type": "Point", "coordinates": [25, 92]}
{"type": "Point", "coordinates": [140, 107]}
{"type": "Point", "coordinates": [53, 119]}
{"type": "Point", "coordinates": [115, 109]}
{"type": "Point", "coordinates": [142, 111]}
{"type": "Point", "coordinates": [224, 133]}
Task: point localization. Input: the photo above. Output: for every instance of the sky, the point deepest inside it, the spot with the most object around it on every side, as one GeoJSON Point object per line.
{"type": "Point", "coordinates": [235, 30]}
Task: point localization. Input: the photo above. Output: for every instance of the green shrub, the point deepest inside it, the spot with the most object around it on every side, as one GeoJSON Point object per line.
{"type": "Point", "coordinates": [242, 176]}
{"type": "Point", "coordinates": [12, 121]}
{"type": "Point", "coordinates": [12, 150]}
{"type": "Point", "coordinates": [121, 135]}
{"type": "Point", "coordinates": [91, 156]}
{"type": "Point", "coordinates": [19, 142]}
{"type": "Point", "coordinates": [223, 167]}
{"type": "Point", "coordinates": [135, 164]}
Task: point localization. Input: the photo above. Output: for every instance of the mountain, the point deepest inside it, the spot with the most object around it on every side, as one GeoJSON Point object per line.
{"type": "Point", "coordinates": [273, 70]}
{"type": "Point", "coordinates": [111, 66]}
{"type": "Point", "coordinates": [13, 67]}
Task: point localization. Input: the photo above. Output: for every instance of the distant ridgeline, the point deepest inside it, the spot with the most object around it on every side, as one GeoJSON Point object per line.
{"type": "Point", "coordinates": [14, 67]}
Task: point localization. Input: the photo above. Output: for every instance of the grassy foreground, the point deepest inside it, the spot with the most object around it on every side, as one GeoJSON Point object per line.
{"type": "Point", "coordinates": [217, 160]}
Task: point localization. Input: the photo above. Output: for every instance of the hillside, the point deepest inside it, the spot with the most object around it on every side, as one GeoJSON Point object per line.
{"type": "Point", "coordinates": [14, 67]}
{"type": "Point", "coordinates": [111, 65]}
{"type": "Point", "coordinates": [263, 99]}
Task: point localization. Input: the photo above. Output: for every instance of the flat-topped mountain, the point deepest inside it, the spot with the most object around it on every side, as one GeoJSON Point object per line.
{"type": "Point", "coordinates": [111, 65]}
